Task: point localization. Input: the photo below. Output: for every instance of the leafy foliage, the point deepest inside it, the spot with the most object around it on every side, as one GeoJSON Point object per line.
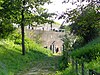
{"type": "Point", "coordinates": [7, 17]}
{"type": "Point", "coordinates": [5, 29]}
{"type": "Point", "coordinates": [94, 65]}
{"type": "Point", "coordinates": [67, 47]}
{"type": "Point", "coordinates": [87, 24]}
{"type": "Point", "coordinates": [67, 71]}
{"type": "Point", "coordinates": [89, 51]}
{"type": "Point", "coordinates": [22, 12]}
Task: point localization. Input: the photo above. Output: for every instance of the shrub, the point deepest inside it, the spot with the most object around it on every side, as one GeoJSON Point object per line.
{"type": "Point", "coordinates": [89, 51]}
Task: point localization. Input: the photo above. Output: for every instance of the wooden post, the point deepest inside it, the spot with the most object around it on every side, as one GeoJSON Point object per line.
{"type": "Point", "coordinates": [51, 26]}
{"type": "Point", "coordinates": [93, 72]}
{"type": "Point", "coordinates": [72, 64]}
{"type": "Point", "coordinates": [53, 48]}
{"type": "Point", "coordinates": [63, 50]}
{"type": "Point", "coordinates": [76, 67]}
{"type": "Point", "coordinates": [90, 72]}
{"type": "Point", "coordinates": [82, 68]}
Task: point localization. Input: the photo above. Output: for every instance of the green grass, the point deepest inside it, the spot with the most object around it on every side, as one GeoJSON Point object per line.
{"type": "Point", "coordinates": [67, 71]}
{"type": "Point", "coordinates": [11, 59]}
{"type": "Point", "coordinates": [90, 54]}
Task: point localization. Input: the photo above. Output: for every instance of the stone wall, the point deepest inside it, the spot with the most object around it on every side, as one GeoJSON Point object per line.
{"type": "Point", "coordinates": [49, 38]}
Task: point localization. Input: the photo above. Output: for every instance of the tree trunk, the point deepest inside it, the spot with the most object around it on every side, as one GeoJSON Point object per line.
{"type": "Point", "coordinates": [22, 29]}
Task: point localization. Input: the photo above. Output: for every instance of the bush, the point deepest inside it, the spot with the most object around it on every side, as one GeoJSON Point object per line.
{"type": "Point", "coordinates": [67, 71]}
{"type": "Point", "coordinates": [89, 51]}
{"type": "Point", "coordinates": [87, 26]}
{"type": "Point", "coordinates": [94, 65]}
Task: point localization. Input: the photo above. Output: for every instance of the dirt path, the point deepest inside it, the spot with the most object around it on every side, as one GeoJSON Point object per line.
{"type": "Point", "coordinates": [47, 66]}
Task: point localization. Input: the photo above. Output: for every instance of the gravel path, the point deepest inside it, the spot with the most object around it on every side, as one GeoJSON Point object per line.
{"type": "Point", "coordinates": [47, 66]}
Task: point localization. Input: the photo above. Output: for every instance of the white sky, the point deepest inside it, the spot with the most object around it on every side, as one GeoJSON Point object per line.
{"type": "Point", "coordinates": [58, 7]}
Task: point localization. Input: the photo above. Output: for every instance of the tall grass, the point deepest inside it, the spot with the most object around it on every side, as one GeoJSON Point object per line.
{"type": "Point", "coordinates": [11, 59]}
{"type": "Point", "coordinates": [90, 50]}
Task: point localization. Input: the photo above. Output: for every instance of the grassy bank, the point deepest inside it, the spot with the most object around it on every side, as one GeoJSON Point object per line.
{"type": "Point", "coordinates": [90, 54]}
{"type": "Point", "coordinates": [11, 59]}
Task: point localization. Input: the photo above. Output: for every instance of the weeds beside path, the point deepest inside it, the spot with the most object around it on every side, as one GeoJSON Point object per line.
{"type": "Point", "coordinates": [46, 66]}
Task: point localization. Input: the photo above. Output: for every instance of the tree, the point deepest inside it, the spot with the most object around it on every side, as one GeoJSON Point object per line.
{"type": "Point", "coordinates": [1, 1]}
{"type": "Point", "coordinates": [82, 24]}
{"type": "Point", "coordinates": [87, 25]}
{"type": "Point", "coordinates": [40, 18]}
{"type": "Point", "coordinates": [20, 12]}
{"type": "Point", "coordinates": [66, 1]}
{"type": "Point", "coordinates": [6, 25]}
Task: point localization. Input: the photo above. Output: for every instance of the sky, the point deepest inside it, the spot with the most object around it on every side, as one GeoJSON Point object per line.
{"type": "Point", "coordinates": [59, 8]}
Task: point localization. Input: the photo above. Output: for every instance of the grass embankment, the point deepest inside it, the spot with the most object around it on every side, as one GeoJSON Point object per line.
{"type": "Point", "coordinates": [11, 59]}
{"type": "Point", "coordinates": [90, 54]}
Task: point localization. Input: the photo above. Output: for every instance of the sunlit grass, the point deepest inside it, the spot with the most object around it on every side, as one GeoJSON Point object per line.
{"type": "Point", "coordinates": [11, 59]}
